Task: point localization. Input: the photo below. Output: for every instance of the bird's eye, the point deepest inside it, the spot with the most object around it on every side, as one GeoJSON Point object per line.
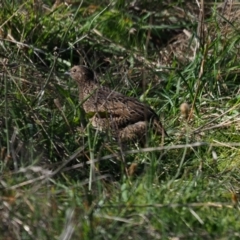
{"type": "Point", "coordinates": [74, 70]}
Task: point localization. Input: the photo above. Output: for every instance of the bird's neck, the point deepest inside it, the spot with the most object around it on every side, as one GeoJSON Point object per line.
{"type": "Point", "coordinates": [86, 89]}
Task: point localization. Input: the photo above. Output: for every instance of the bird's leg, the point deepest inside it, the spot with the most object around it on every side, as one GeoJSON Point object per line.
{"type": "Point", "coordinates": [122, 156]}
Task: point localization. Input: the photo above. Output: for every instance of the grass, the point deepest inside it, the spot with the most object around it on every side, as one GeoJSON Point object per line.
{"type": "Point", "coordinates": [182, 187]}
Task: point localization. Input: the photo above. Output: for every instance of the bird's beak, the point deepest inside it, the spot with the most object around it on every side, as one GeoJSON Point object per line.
{"type": "Point", "coordinates": [67, 73]}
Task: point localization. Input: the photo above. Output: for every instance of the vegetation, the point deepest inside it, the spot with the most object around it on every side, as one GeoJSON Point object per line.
{"type": "Point", "coordinates": [61, 179]}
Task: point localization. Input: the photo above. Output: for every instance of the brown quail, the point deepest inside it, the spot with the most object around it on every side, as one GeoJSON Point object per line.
{"type": "Point", "coordinates": [125, 117]}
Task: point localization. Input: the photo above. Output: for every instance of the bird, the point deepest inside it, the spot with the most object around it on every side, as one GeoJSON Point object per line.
{"type": "Point", "coordinates": [125, 117]}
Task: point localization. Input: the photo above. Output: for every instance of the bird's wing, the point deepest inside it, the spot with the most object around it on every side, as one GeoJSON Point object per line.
{"type": "Point", "coordinates": [110, 104]}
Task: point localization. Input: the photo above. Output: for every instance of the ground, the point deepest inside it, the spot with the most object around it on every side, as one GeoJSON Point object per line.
{"type": "Point", "coordinates": [61, 179]}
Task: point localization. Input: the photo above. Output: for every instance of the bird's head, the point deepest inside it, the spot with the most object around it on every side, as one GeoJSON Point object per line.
{"type": "Point", "coordinates": [81, 74]}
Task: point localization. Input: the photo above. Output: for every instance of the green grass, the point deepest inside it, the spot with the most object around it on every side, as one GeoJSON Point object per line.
{"type": "Point", "coordinates": [183, 187]}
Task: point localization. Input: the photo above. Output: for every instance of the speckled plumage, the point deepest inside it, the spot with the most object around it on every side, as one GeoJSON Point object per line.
{"type": "Point", "coordinates": [125, 117]}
